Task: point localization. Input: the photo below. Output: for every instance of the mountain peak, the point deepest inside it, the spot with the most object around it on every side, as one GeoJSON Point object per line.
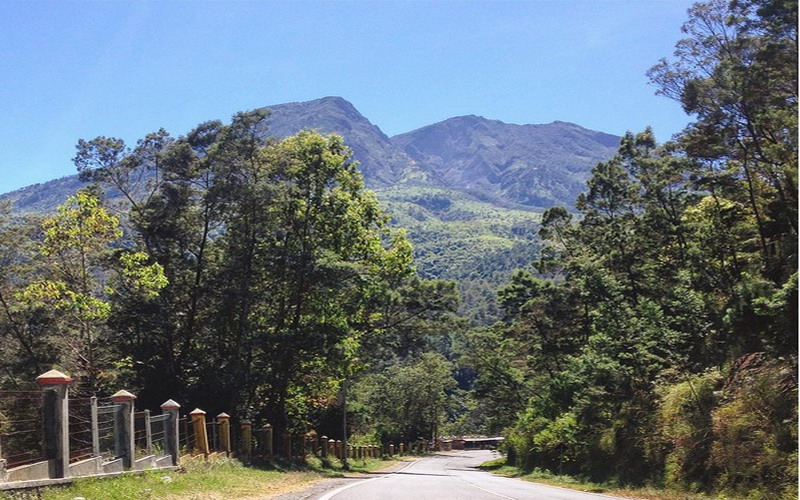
{"type": "Point", "coordinates": [536, 165]}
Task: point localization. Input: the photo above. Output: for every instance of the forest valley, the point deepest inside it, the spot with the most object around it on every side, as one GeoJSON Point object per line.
{"type": "Point", "coordinates": [655, 343]}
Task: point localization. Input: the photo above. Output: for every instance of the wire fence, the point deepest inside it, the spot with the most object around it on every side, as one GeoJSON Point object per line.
{"type": "Point", "coordinates": [105, 441]}
{"type": "Point", "coordinates": [20, 427]}
{"type": "Point", "coordinates": [187, 442]}
{"type": "Point", "coordinates": [80, 429]}
{"type": "Point", "coordinates": [158, 436]}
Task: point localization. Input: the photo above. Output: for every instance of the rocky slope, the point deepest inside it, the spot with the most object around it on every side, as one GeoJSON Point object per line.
{"type": "Point", "coordinates": [533, 165]}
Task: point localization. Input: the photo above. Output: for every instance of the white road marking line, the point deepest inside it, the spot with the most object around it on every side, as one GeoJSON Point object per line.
{"type": "Point", "coordinates": [482, 489]}
{"type": "Point", "coordinates": [335, 492]}
{"type": "Point", "coordinates": [476, 486]}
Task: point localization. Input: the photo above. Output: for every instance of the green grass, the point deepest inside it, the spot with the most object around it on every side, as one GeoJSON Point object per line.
{"type": "Point", "coordinates": [499, 466]}
{"type": "Point", "coordinates": [214, 480]}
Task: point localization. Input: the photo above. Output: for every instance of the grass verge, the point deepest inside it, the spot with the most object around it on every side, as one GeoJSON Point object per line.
{"type": "Point", "coordinates": [197, 480]}
{"type": "Point", "coordinates": [499, 466]}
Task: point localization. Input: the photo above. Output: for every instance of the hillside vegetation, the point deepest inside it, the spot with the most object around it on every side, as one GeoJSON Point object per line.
{"type": "Point", "coordinates": [457, 236]}
{"type": "Point", "coordinates": [648, 336]}
{"type": "Point", "coordinates": [657, 344]}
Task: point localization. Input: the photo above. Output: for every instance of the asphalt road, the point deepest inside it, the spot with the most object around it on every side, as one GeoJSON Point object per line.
{"type": "Point", "coordinates": [450, 476]}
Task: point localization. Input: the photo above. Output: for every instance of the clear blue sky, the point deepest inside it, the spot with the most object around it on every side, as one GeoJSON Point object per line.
{"type": "Point", "coordinates": [71, 70]}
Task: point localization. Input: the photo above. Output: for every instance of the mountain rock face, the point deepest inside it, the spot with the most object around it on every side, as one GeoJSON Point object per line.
{"type": "Point", "coordinates": [382, 163]}
{"type": "Point", "coordinates": [537, 166]}
{"type": "Point", "coordinates": [534, 165]}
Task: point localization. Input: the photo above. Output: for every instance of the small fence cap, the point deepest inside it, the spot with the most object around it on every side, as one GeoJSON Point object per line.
{"type": "Point", "coordinates": [223, 415]}
{"type": "Point", "coordinates": [197, 411]}
{"type": "Point", "coordinates": [170, 405]}
{"type": "Point", "coordinates": [122, 395]}
{"type": "Point", "coordinates": [246, 423]}
{"type": "Point", "coordinates": [267, 426]}
{"type": "Point", "coordinates": [53, 377]}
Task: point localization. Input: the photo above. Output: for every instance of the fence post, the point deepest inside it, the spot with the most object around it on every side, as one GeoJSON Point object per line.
{"type": "Point", "coordinates": [95, 427]}
{"type": "Point", "coordinates": [391, 449]}
{"type": "Point", "coordinates": [314, 442]}
{"type": "Point", "coordinates": [224, 421]}
{"type": "Point", "coordinates": [267, 433]}
{"type": "Point", "coordinates": [171, 431]}
{"type": "Point", "coordinates": [148, 433]}
{"type": "Point", "coordinates": [287, 445]}
{"type": "Point", "coordinates": [323, 446]}
{"type": "Point", "coordinates": [55, 399]}
{"type": "Point", "coordinates": [2, 464]}
{"type": "Point", "coordinates": [123, 427]}
{"type": "Point", "coordinates": [200, 433]}
{"type": "Point", "coordinates": [247, 438]}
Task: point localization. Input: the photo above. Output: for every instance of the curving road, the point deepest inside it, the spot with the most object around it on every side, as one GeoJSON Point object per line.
{"type": "Point", "coordinates": [450, 476]}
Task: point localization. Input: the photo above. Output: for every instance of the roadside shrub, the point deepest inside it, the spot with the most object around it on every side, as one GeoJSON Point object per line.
{"type": "Point", "coordinates": [755, 449]}
{"type": "Point", "coordinates": [684, 427]}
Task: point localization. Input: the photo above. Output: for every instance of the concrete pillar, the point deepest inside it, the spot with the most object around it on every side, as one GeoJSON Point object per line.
{"type": "Point", "coordinates": [224, 424]}
{"type": "Point", "coordinates": [200, 432]}
{"type": "Point", "coordinates": [123, 427]}
{"type": "Point", "coordinates": [171, 431]}
{"type": "Point", "coordinates": [148, 433]}
{"type": "Point", "coordinates": [247, 438]}
{"type": "Point", "coordinates": [55, 405]}
{"type": "Point", "coordinates": [95, 423]}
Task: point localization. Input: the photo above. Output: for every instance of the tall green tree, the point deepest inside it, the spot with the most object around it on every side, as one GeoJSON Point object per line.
{"type": "Point", "coordinates": [78, 255]}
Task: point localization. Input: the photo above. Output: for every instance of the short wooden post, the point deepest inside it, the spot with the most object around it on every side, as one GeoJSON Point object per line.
{"type": "Point", "coordinates": [331, 448]}
{"type": "Point", "coordinates": [200, 432]}
{"type": "Point", "coordinates": [323, 446]}
{"type": "Point", "coordinates": [171, 430]}
{"type": "Point", "coordinates": [314, 442]}
{"type": "Point", "coordinates": [224, 424]}
{"type": "Point", "coordinates": [391, 449]}
{"type": "Point", "coordinates": [266, 431]}
{"type": "Point", "coordinates": [339, 449]}
{"type": "Point", "coordinates": [287, 445]}
{"type": "Point", "coordinates": [123, 427]}
{"type": "Point", "coordinates": [247, 438]}
{"type": "Point", "coordinates": [402, 449]}
{"type": "Point", "coordinates": [55, 404]}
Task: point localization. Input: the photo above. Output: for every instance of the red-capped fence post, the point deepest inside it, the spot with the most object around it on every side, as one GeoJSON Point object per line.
{"type": "Point", "coordinates": [55, 403]}
{"type": "Point", "coordinates": [171, 431]}
{"type": "Point", "coordinates": [267, 432]}
{"type": "Point", "coordinates": [247, 438]}
{"type": "Point", "coordinates": [123, 427]}
{"type": "Point", "coordinates": [224, 422]}
{"type": "Point", "coordinates": [200, 432]}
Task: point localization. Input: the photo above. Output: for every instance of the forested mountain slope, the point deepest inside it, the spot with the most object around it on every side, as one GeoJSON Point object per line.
{"type": "Point", "coordinates": [469, 190]}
